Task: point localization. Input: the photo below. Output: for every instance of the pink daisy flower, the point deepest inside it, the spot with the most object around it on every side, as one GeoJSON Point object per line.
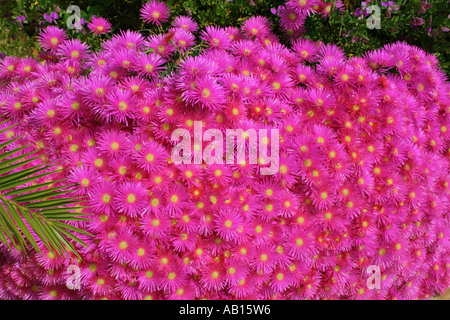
{"type": "Point", "coordinates": [186, 221]}
{"type": "Point", "coordinates": [256, 26]}
{"type": "Point", "coordinates": [151, 157]}
{"type": "Point", "coordinates": [207, 93]}
{"type": "Point", "coordinates": [183, 40]}
{"type": "Point", "coordinates": [129, 290]}
{"type": "Point", "coordinates": [99, 25]}
{"type": "Point", "coordinates": [155, 226]}
{"type": "Point", "coordinates": [218, 174]}
{"type": "Point", "coordinates": [186, 23]}
{"type": "Point", "coordinates": [183, 292]}
{"type": "Point", "coordinates": [51, 38]}
{"type": "Point", "coordinates": [281, 280]}
{"type": "Point", "coordinates": [8, 66]}
{"type": "Point", "coordinates": [229, 224]}
{"type": "Point", "coordinates": [143, 255]}
{"type": "Point", "coordinates": [244, 287]}
{"type": "Point", "coordinates": [130, 40]}
{"type": "Point", "coordinates": [95, 90]}
{"type": "Point", "coordinates": [27, 67]}
{"type": "Point", "coordinates": [264, 261]}
{"type": "Point", "coordinates": [299, 243]}
{"type": "Point", "coordinates": [161, 45]}
{"type": "Point", "coordinates": [112, 142]}
{"type": "Point", "coordinates": [73, 49]}
{"type": "Point", "coordinates": [184, 242]}
{"type": "Point", "coordinates": [102, 198]}
{"type": "Point", "coordinates": [86, 177]}
{"type": "Point", "coordinates": [122, 245]}
{"type": "Point", "coordinates": [235, 271]}
{"type": "Point", "coordinates": [101, 285]}
{"type": "Point", "coordinates": [149, 65]}
{"type": "Point", "coordinates": [149, 279]}
{"type": "Point", "coordinates": [176, 199]}
{"type": "Point", "coordinates": [306, 49]}
{"type": "Point", "coordinates": [155, 12]}
{"type": "Point", "coordinates": [121, 105]}
{"type": "Point", "coordinates": [216, 37]}
{"type": "Point", "coordinates": [131, 198]}
{"type": "Point", "coordinates": [212, 277]}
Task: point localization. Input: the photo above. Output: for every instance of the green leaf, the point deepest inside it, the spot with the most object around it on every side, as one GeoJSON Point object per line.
{"type": "Point", "coordinates": [7, 128]}
{"type": "Point", "coordinates": [41, 195]}
{"type": "Point", "coordinates": [49, 212]}
{"type": "Point", "coordinates": [15, 159]}
{"type": "Point", "coordinates": [19, 221]}
{"type": "Point", "coordinates": [10, 153]}
{"type": "Point", "coordinates": [29, 213]}
{"type": "Point", "coordinates": [53, 203]}
{"type": "Point", "coordinates": [19, 175]}
{"type": "Point", "coordinates": [15, 183]}
{"type": "Point", "coordinates": [32, 188]}
{"type": "Point", "coordinates": [12, 226]}
{"type": "Point", "coordinates": [68, 226]}
{"type": "Point", "coordinates": [4, 144]}
{"type": "Point", "coordinates": [17, 165]}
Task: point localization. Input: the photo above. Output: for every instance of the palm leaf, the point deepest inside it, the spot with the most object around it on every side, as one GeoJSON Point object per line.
{"type": "Point", "coordinates": [32, 211]}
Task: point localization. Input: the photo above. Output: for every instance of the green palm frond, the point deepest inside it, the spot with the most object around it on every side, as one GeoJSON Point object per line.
{"type": "Point", "coordinates": [32, 211]}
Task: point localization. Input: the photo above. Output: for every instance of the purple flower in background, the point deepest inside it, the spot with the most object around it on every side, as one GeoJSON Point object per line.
{"type": "Point", "coordinates": [21, 19]}
{"type": "Point", "coordinates": [389, 3]}
{"type": "Point", "coordinates": [79, 24]}
{"type": "Point", "coordinates": [424, 6]}
{"type": "Point", "coordinates": [53, 16]}
{"type": "Point", "coordinates": [276, 10]}
{"type": "Point", "coordinates": [391, 7]}
{"type": "Point", "coordinates": [417, 22]}
{"type": "Point", "coordinates": [357, 12]}
{"type": "Point", "coordinates": [2, 55]}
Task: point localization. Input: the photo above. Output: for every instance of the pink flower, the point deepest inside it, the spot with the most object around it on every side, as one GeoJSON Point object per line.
{"type": "Point", "coordinates": [131, 199]}
{"type": "Point", "coordinates": [99, 25]}
{"type": "Point", "coordinates": [51, 38]}
{"type": "Point", "coordinates": [156, 12]}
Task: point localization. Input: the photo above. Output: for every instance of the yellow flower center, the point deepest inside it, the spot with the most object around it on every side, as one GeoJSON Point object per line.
{"type": "Point", "coordinates": [206, 93]}
{"type": "Point", "coordinates": [131, 198]}
{"type": "Point", "coordinates": [85, 182]}
{"type": "Point", "coordinates": [106, 198]}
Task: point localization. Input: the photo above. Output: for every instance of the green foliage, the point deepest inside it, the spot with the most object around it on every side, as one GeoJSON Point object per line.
{"type": "Point", "coordinates": [342, 28]}
{"type": "Point", "coordinates": [352, 34]}
{"type": "Point", "coordinates": [16, 42]}
{"type": "Point", "coordinates": [223, 13]}
{"type": "Point", "coordinates": [31, 213]}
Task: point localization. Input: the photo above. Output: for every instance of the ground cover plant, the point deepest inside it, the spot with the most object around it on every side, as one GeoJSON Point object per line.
{"type": "Point", "coordinates": [362, 161]}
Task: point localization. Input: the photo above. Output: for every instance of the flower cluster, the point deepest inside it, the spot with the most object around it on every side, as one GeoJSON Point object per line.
{"type": "Point", "coordinates": [363, 173]}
